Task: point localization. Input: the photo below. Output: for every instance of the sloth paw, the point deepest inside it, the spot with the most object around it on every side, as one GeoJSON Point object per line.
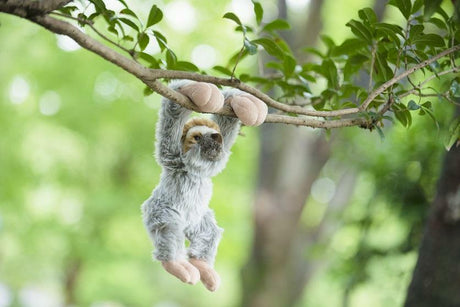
{"type": "Point", "coordinates": [183, 270]}
{"type": "Point", "coordinates": [209, 277]}
{"type": "Point", "coordinates": [207, 97]}
{"type": "Point", "coordinates": [250, 110]}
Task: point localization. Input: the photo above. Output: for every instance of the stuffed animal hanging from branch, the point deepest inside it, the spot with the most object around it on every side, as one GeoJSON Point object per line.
{"type": "Point", "coordinates": [190, 153]}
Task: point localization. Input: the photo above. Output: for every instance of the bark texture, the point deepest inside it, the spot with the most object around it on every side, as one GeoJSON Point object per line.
{"type": "Point", "coordinates": [436, 278]}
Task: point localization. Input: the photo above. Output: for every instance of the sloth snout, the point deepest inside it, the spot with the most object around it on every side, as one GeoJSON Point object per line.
{"type": "Point", "coordinates": [211, 146]}
{"type": "Point", "coordinates": [217, 137]}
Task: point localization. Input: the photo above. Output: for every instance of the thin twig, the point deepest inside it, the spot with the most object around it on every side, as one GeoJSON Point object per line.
{"type": "Point", "coordinates": [90, 24]}
{"type": "Point", "coordinates": [371, 70]}
{"type": "Point", "coordinates": [406, 73]}
{"type": "Point", "coordinates": [236, 62]}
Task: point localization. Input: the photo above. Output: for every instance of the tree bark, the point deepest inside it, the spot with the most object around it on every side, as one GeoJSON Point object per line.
{"type": "Point", "coordinates": [436, 278]}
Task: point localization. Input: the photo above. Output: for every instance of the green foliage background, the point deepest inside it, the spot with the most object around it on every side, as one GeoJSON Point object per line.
{"type": "Point", "coordinates": [71, 184]}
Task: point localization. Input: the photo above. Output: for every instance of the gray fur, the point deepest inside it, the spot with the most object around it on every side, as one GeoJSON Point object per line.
{"type": "Point", "coordinates": [178, 207]}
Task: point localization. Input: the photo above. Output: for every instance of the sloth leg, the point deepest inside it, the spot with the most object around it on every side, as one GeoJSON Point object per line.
{"type": "Point", "coordinates": [166, 230]}
{"type": "Point", "coordinates": [204, 238]}
{"type": "Point", "coordinates": [169, 249]}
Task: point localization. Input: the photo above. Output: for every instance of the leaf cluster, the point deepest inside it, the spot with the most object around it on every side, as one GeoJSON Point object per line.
{"type": "Point", "coordinates": [343, 75]}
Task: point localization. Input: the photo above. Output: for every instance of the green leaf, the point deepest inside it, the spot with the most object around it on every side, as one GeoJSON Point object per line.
{"type": "Point", "coordinates": [145, 56]}
{"type": "Point", "coordinates": [112, 29]}
{"type": "Point", "coordinates": [237, 57]}
{"type": "Point", "coordinates": [143, 40]}
{"type": "Point", "coordinates": [223, 70]}
{"type": "Point", "coordinates": [454, 134]}
{"type": "Point", "coordinates": [155, 16]}
{"type": "Point", "coordinates": [402, 114]}
{"type": "Point", "coordinates": [127, 38]}
{"type": "Point", "coordinates": [404, 6]}
{"type": "Point", "coordinates": [412, 106]}
{"type": "Point", "coordinates": [367, 15]}
{"type": "Point", "coordinates": [328, 41]}
{"type": "Point", "coordinates": [360, 30]}
{"type": "Point", "coordinates": [353, 65]}
{"type": "Point", "coordinates": [161, 40]}
{"type": "Point", "coordinates": [149, 59]}
{"type": "Point", "coordinates": [67, 9]}
{"type": "Point", "coordinates": [438, 23]}
{"type": "Point", "coordinates": [432, 40]}
{"type": "Point", "coordinates": [381, 67]}
{"type": "Point", "coordinates": [270, 46]}
{"type": "Point", "coordinates": [244, 29]}
{"type": "Point", "coordinates": [329, 70]}
{"type": "Point", "coordinates": [431, 6]}
{"type": "Point", "coordinates": [274, 65]}
{"type": "Point", "coordinates": [289, 64]}
{"type": "Point", "coordinates": [171, 58]}
{"type": "Point", "coordinates": [455, 88]}
{"type": "Point", "coordinates": [380, 132]}
{"type": "Point", "coordinates": [277, 24]}
{"type": "Point", "coordinates": [148, 91]}
{"type": "Point", "coordinates": [258, 11]}
{"type": "Point", "coordinates": [390, 30]}
{"type": "Point", "coordinates": [313, 51]}
{"type": "Point", "coordinates": [431, 114]}
{"type": "Point", "coordinates": [417, 6]}
{"type": "Point", "coordinates": [186, 66]}
{"type": "Point", "coordinates": [250, 47]}
{"type": "Point", "coordinates": [127, 11]}
{"type": "Point", "coordinates": [124, 3]}
{"type": "Point", "coordinates": [349, 47]}
{"type": "Point", "coordinates": [129, 22]}
{"type": "Point", "coordinates": [233, 17]}
{"type": "Point", "coordinates": [99, 5]}
{"type": "Point", "coordinates": [427, 105]}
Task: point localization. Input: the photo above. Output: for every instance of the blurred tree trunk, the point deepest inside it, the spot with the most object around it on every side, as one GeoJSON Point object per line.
{"type": "Point", "coordinates": [70, 281]}
{"type": "Point", "coordinates": [436, 278]}
{"type": "Point", "coordinates": [291, 159]}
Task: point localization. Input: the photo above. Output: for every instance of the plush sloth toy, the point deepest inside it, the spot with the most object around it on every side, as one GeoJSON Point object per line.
{"type": "Point", "coordinates": [190, 153]}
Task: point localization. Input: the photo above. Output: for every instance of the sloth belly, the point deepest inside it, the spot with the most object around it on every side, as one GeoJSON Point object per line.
{"type": "Point", "coordinates": [188, 196]}
{"type": "Point", "coordinates": [194, 203]}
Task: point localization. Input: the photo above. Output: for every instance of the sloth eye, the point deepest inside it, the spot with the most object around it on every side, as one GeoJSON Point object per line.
{"type": "Point", "coordinates": [197, 137]}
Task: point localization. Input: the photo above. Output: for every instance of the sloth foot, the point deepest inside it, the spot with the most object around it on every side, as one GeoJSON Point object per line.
{"type": "Point", "coordinates": [183, 270]}
{"type": "Point", "coordinates": [209, 277]}
{"type": "Point", "coordinates": [207, 97]}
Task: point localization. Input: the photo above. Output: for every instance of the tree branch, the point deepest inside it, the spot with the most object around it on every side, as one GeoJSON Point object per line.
{"type": "Point", "coordinates": [36, 11]}
{"type": "Point", "coordinates": [406, 73]}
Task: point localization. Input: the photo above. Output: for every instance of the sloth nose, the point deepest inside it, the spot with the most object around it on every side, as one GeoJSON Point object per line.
{"type": "Point", "coordinates": [217, 137]}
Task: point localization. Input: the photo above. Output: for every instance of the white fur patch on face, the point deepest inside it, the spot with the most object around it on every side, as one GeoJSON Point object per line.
{"type": "Point", "coordinates": [200, 129]}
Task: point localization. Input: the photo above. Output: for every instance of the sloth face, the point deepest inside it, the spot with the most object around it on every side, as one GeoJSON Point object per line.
{"type": "Point", "coordinates": [203, 140]}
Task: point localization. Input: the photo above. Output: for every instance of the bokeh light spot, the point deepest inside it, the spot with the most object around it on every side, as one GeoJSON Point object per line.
{"type": "Point", "coordinates": [19, 90]}
{"type": "Point", "coordinates": [204, 56]}
{"type": "Point", "coordinates": [49, 103]}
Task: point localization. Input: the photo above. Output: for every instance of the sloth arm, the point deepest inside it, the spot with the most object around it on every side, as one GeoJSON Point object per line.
{"type": "Point", "coordinates": [169, 133]}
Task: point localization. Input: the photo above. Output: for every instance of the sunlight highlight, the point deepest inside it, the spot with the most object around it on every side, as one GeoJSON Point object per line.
{"type": "Point", "coordinates": [204, 56]}
{"type": "Point", "coordinates": [323, 190]}
{"type": "Point", "coordinates": [297, 4]}
{"type": "Point", "coordinates": [19, 90]}
{"type": "Point", "coordinates": [181, 16]}
{"type": "Point", "coordinates": [49, 103]}
{"type": "Point", "coordinates": [66, 43]}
